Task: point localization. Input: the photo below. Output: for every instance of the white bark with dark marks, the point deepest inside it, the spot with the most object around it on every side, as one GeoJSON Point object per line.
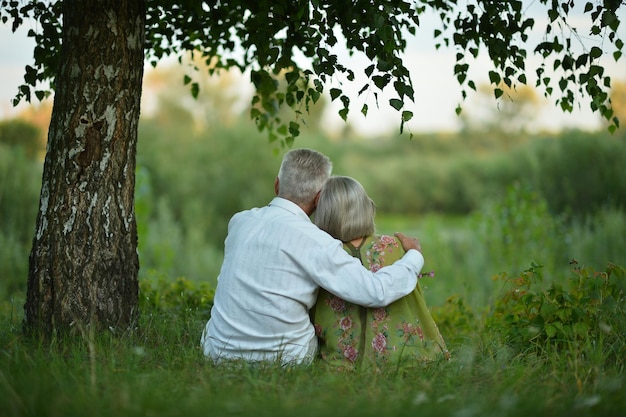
{"type": "Point", "coordinates": [84, 263]}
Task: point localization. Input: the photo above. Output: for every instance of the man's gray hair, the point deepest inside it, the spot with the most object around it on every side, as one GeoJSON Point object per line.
{"type": "Point", "coordinates": [344, 210]}
{"type": "Point", "coordinates": [302, 175]}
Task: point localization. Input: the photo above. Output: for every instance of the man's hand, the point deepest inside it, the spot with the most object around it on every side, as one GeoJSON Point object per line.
{"type": "Point", "coordinates": [408, 242]}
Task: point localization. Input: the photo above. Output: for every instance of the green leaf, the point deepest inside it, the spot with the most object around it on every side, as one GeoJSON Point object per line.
{"type": "Point", "coordinates": [290, 99]}
{"type": "Point", "coordinates": [346, 101]}
{"type": "Point", "coordinates": [364, 110]}
{"type": "Point", "coordinates": [595, 52]}
{"type": "Point", "coordinates": [292, 77]}
{"type": "Point", "coordinates": [314, 94]}
{"type": "Point", "coordinates": [609, 19]}
{"type": "Point", "coordinates": [581, 329]}
{"type": "Point", "coordinates": [31, 75]}
{"type": "Point", "coordinates": [403, 89]}
{"type": "Point", "coordinates": [195, 90]}
{"type": "Point", "coordinates": [494, 77]}
{"type": "Point", "coordinates": [498, 92]}
{"type": "Point", "coordinates": [553, 15]}
{"type": "Point", "coordinates": [567, 63]}
{"type": "Point", "coordinates": [272, 56]}
{"type": "Point", "coordinates": [384, 66]}
{"type": "Point", "coordinates": [407, 115]}
{"type": "Point", "coordinates": [294, 129]}
{"type": "Point", "coordinates": [334, 93]}
{"type": "Point", "coordinates": [380, 81]}
{"type": "Point", "coordinates": [396, 103]}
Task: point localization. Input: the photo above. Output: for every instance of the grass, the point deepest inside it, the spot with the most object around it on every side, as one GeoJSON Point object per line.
{"type": "Point", "coordinates": [129, 380]}
{"type": "Point", "coordinates": [158, 369]}
{"type": "Point", "coordinates": [519, 346]}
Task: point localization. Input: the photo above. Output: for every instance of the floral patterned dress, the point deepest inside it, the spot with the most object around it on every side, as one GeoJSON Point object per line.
{"type": "Point", "coordinates": [352, 336]}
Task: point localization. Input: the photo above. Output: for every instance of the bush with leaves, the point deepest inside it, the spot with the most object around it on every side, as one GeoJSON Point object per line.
{"type": "Point", "coordinates": [586, 319]}
{"type": "Point", "coordinates": [518, 228]}
{"type": "Point", "coordinates": [579, 173]}
{"type": "Point", "coordinates": [20, 177]}
{"type": "Point", "coordinates": [181, 296]}
{"type": "Point", "coordinates": [456, 319]}
{"type": "Point", "coordinates": [19, 133]}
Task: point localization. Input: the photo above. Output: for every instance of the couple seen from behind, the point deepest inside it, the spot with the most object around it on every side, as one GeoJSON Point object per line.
{"type": "Point", "coordinates": [291, 289]}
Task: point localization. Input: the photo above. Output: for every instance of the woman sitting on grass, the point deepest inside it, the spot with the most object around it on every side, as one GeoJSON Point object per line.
{"type": "Point", "coordinates": [352, 336]}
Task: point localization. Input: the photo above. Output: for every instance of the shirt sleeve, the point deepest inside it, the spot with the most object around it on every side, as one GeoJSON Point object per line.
{"type": "Point", "coordinates": [344, 276]}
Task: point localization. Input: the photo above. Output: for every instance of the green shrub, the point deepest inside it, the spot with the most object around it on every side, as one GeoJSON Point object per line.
{"type": "Point", "coordinates": [578, 173]}
{"type": "Point", "coordinates": [518, 227]}
{"type": "Point", "coordinates": [598, 237]}
{"type": "Point", "coordinates": [585, 319]}
{"type": "Point", "coordinates": [205, 178]}
{"type": "Point", "coordinates": [20, 134]}
{"type": "Point", "coordinates": [181, 296]}
{"type": "Point", "coordinates": [20, 183]}
{"type": "Point", "coordinates": [457, 321]}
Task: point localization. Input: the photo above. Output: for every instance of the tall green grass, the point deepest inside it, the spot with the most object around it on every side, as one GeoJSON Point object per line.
{"type": "Point", "coordinates": [497, 367]}
{"type": "Point", "coordinates": [20, 181]}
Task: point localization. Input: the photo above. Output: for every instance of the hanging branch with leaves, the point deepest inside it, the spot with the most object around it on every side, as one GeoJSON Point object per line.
{"type": "Point", "coordinates": [265, 37]}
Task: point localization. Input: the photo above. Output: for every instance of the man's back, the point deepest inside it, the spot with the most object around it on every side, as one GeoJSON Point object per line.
{"type": "Point", "coordinates": [264, 292]}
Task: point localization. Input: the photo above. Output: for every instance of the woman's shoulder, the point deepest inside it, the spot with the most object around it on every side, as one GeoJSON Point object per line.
{"type": "Point", "coordinates": [382, 250]}
{"type": "Point", "coordinates": [385, 241]}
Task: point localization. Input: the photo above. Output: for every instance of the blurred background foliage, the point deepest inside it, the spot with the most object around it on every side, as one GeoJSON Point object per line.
{"type": "Point", "coordinates": [490, 198]}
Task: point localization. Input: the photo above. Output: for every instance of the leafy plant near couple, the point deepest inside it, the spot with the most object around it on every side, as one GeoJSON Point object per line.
{"type": "Point", "coordinates": [584, 319]}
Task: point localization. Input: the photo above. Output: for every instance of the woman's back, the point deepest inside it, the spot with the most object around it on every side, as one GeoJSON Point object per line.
{"type": "Point", "coordinates": [355, 336]}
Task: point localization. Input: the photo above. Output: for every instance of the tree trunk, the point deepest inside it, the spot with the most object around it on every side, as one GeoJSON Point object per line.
{"type": "Point", "coordinates": [84, 263]}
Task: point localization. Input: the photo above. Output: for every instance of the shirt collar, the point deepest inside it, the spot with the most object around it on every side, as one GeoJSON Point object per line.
{"type": "Point", "coordinates": [290, 206]}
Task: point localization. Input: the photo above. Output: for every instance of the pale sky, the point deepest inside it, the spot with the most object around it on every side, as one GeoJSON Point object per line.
{"type": "Point", "coordinates": [437, 92]}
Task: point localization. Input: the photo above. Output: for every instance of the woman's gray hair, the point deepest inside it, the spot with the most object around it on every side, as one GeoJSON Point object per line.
{"type": "Point", "coordinates": [344, 210]}
{"type": "Point", "coordinates": [302, 175]}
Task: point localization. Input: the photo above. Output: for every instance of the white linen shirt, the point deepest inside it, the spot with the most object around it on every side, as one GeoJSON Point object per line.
{"type": "Point", "coordinates": [275, 259]}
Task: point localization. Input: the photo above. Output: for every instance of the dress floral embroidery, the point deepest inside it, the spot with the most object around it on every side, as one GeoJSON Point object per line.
{"type": "Point", "coordinates": [354, 336]}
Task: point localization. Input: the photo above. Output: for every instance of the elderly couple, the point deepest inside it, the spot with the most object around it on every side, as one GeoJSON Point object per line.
{"type": "Point", "coordinates": [291, 290]}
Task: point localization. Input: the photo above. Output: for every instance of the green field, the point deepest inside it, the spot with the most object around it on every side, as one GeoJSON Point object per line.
{"type": "Point", "coordinates": [527, 248]}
